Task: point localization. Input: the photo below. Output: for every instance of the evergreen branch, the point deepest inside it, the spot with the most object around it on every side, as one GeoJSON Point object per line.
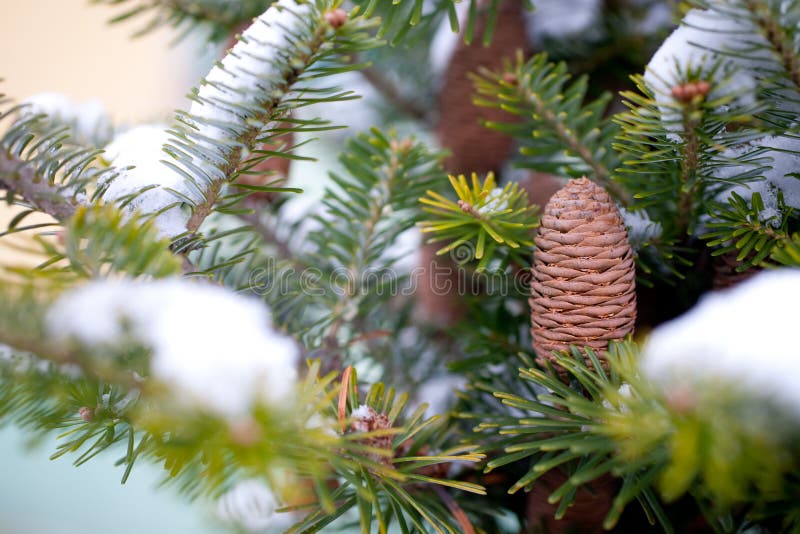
{"type": "Point", "coordinates": [557, 426]}
{"type": "Point", "coordinates": [372, 205]}
{"type": "Point", "coordinates": [223, 17]}
{"type": "Point", "coordinates": [789, 253]}
{"type": "Point", "coordinates": [767, 18]}
{"type": "Point", "coordinates": [18, 177]}
{"type": "Point", "coordinates": [42, 163]}
{"type": "Point", "coordinates": [241, 105]}
{"type": "Point", "coordinates": [683, 148]}
{"type": "Point", "coordinates": [558, 132]}
{"type": "Point", "coordinates": [484, 214]}
{"type": "Point", "coordinates": [391, 469]}
{"type": "Point", "coordinates": [751, 230]}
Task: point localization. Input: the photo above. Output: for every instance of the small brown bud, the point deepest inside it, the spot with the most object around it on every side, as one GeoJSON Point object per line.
{"type": "Point", "coordinates": [336, 18]}
{"type": "Point", "coordinates": [245, 432]}
{"type": "Point", "coordinates": [681, 399]}
{"type": "Point", "coordinates": [401, 146]}
{"type": "Point", "coordinates": [61, 236]}
{"type": "Point", "coordinates": [367, 419]}
{"type": "Point", "coordinates": [86, 413]}
{"type": "Point", "coordinates": [679, 93]}
{"type": "Point", "coordinates": [510, 77]}
{"type": "Point", "coordinates": [688, 91]}
{"type": "Point", "coordinates": [703, 87]}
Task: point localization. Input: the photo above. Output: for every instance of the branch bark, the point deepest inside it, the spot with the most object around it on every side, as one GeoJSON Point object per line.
{"type": "Point", "coordinates": [17, 176]}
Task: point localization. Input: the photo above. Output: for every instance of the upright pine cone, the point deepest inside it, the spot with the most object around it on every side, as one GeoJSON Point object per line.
{"type": "Point", "coordinates": [583, 287]}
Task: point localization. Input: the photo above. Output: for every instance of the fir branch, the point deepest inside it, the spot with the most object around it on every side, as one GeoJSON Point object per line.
{"type": "Point", "coordinates": [372, 205]}
{"type": "Point", "coordinates": [213, 143]}
{"type": "Point", "coordinates": [494, 219]}
{"type": "Point", "coordinates": [558, 131]}
{"type": "Point", "coordinates": [18, 177]}
{"type": "Point", "coordinates": [41, 161]}
{"type": "Point", "coordinates": [747, 228]}
{"type": "Point", "coordinates": [222, 16]}
{"type": "Point", "coordinates": [767, 18]}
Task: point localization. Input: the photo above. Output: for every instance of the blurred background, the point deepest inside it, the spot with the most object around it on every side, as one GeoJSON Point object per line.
{"type": "Point", "coordinates": [66, 46]}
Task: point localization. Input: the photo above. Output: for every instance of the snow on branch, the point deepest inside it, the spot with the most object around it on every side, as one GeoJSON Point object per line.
{"type": "Point", "coordinates": [743, 337]}
{"type": "Point", "coordinates": [217, 349]}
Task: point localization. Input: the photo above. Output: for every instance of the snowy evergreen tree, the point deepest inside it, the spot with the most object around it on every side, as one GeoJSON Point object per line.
{"type": "Point", "coordinates": [548, 286]}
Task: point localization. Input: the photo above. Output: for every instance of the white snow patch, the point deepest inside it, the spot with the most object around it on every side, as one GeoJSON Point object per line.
{"type": "Point", "coordinates": [562, 19]}
{"type": "Point", "coordinates": [246, 75]}
{"type": "Point", "coordinates": [217, 348]}
{"type": "Point", "coordinates": [641, 229]}
{"type": "Point", "coordinates": [363, 412]}
{"type": "Point", "coordinates": [493, 202]}
{"type": "Point", "coordinates": [744, 337]}
{"type": "Point", "coordinates": [251, 504]}
{"type": "Point", "coordinates": [782, 155]}
{"type": "Point", "coordinates": [89, 120]}
{"type": "Point", "coordinates": [698, 43]}
{"type": "Point", "coordinates": [141, 149]}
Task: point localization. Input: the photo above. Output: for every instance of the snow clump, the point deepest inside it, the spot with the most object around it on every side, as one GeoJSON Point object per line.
{"type": "Point", "coordinates": [217, 349]}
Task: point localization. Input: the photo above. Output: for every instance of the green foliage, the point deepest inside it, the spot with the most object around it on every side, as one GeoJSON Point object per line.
{"type": "Point", "coordinates": [744, 228]}
{"type": "Point", "coordinates": [99, 240]}
{"type": "Point", "coordinates": [789, 255]}
{"type": "Point", "coordinates": [673, 153]}
{"type": "Point", "coordinates": [703, 439]}
{"type": "Point", "coordinates": [350, 271]}
{"type": "Point", "coordinates": [42, 167]}
{"type": "Point", "coordinates": [484, 216]}
{"type": "Point", "coordinates": [559, 131]}
{"type": "Point", "coordinates": [315, 50]}
{"type": "Point", "coordinates": [560, 428]}
{"type": "Point", "coordinates": [223, 18]}
{"type": "Point", "coordinates": [388, 471]}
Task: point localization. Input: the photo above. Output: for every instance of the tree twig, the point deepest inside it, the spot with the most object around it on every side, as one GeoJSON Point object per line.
{"type": "Point", "coordinates": [17, 176]}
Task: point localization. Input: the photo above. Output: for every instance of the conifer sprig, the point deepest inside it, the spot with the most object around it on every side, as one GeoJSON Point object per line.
{"type": "Point", "coordinates": [217, 143]}
{"type": "Point", "coordinates": [747, 228]}
{"type": "Point", "coordinates": [559, 131]}
{"type": "Point", "coordinates": [390, 468]}
{"type": "Point", "coordinates": [485, 216]}
{"type": "Point", "coordinates": [222, 17]}
{"type": "Point", "coordinates": [43, 167]}
{"type": "Point", "coordinates": [363, 215]}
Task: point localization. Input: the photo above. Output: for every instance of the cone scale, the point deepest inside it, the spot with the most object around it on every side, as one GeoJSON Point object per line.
{"type": "Point", "coordinates": [583, 289]}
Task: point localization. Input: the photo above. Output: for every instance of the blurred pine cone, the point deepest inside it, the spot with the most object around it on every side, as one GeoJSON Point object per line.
{"type": "Point", "coordinates": [725, 273]}
{"type": "Point", "coordinates": [473, 147]}
{"type": "Point", "coordinates": [583, 288]}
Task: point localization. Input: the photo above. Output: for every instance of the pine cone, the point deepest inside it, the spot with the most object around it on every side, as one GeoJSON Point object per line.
{"type": "Point", "coordinates": [583, 288]}
{"type": "Point", "coordinates": [725, 273]}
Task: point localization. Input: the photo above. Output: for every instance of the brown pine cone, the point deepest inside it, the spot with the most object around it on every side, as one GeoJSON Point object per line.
{"type": "Point", "coordinates": [583, 291]}
{"type": "Point", "coordinates": [725, 273]}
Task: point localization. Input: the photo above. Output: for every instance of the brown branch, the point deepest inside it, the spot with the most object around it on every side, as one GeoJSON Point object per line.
{"type": "Point", "coordinates": [19, 177]}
